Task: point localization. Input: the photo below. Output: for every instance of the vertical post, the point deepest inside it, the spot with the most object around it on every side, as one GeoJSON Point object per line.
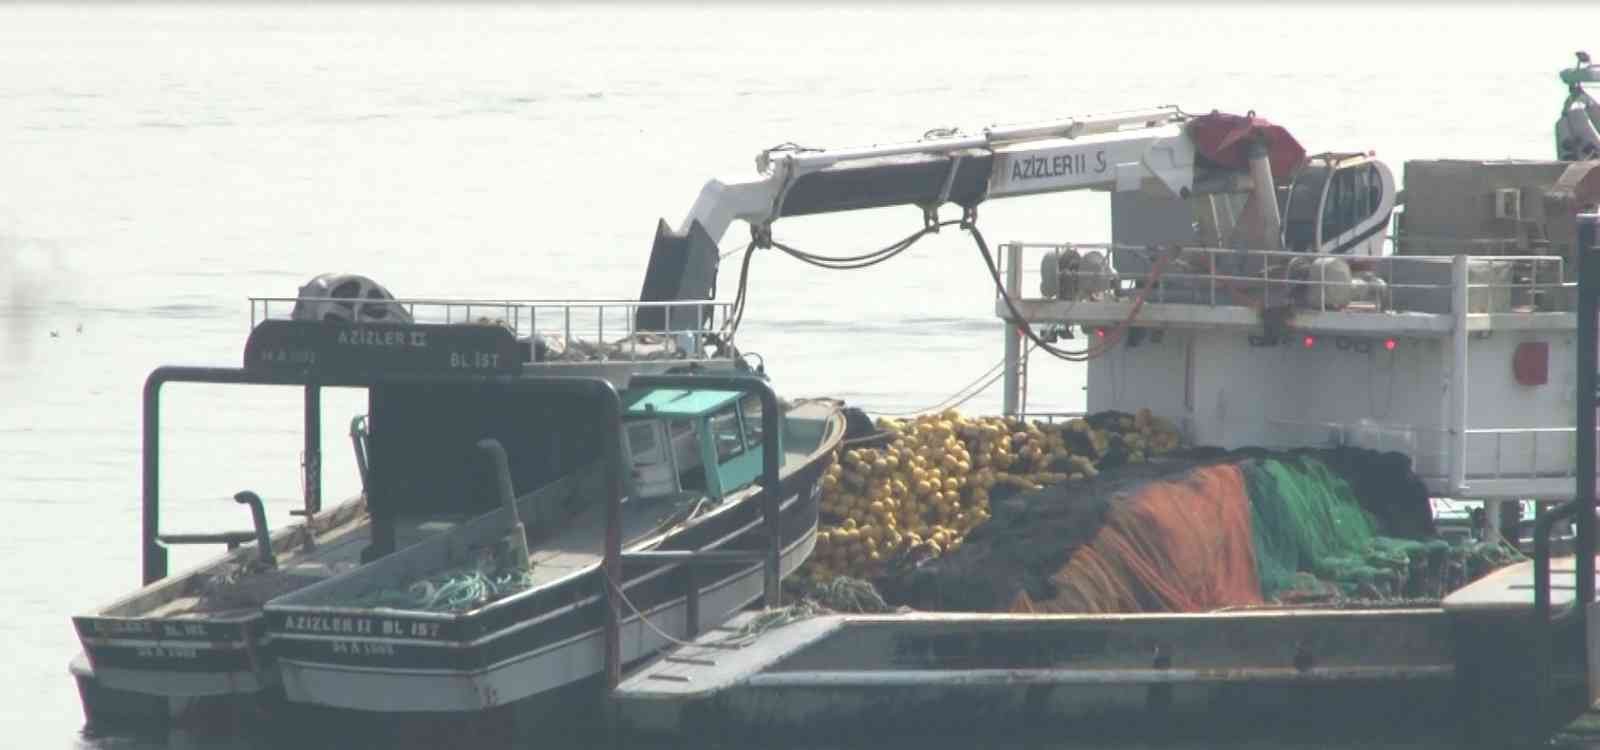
{"type": "Point", "coordinates": [613, 577]}
{"type": "Point", "coordinates": [1013, 338]}
{"type": "Point", "coordinates": [691, 603]}
{"type": "Point", "coordinates": [771, 488]}
{"type": "Point", "coordinates": [1458, 376]}
{"type": "Point", "coordinates": [154, 555]}
{"type": "Point", "coordinates": [1588, 362]}
{"type": "Point", "coordinates": [313, 450]}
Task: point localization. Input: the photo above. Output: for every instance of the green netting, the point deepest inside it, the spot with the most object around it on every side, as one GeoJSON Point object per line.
{"type": "Point", "coordinates": [458, 590]}
{"type": "Point", "coordinates": [1305, 518]}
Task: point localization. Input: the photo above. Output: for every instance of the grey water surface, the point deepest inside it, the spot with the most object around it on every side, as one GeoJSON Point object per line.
{"type": "Point", "coordinates": [159, 164]}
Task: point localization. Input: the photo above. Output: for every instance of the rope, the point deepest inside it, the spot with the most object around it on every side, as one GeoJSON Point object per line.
{"type": "Point", "coordinates": [452, 591]}
{"type": "Point", "coordinates": [764, 621]}
{"type": "Point", "coordinates": [835, 263]}
{"type": "Point", "coordinates": [955, 400]}
{"type": "Point", "coordinates": [624, 597]}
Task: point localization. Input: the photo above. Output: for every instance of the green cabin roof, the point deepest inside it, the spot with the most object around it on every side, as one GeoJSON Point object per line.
{"type": "Point", "coordinates": [679, 403]}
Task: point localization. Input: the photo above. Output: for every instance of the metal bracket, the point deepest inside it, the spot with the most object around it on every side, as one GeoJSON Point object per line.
{"type": "Point", "coordinates": [949, 179]}
{"type": "Point", "coordinates": [761, 235]}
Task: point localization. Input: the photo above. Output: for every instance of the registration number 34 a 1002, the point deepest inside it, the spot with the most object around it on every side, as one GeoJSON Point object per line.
{"type": "Point", "coordinates": [363, 648]}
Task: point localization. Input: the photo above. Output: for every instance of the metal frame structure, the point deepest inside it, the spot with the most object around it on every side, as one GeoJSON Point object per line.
{"type": "Point", "coordinates": [153, 543]}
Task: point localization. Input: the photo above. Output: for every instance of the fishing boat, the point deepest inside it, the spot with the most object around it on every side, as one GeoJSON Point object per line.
{"type": "Point", "coordinates": [440, 375]}
{"type": "Point", "coordinates": [382, 639]}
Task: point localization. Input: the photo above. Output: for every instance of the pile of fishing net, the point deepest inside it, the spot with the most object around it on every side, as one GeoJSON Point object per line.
{"type": "Point", "coordinates": [1199, 531]}
{"type": "Point", "coordinates": [460, 589]}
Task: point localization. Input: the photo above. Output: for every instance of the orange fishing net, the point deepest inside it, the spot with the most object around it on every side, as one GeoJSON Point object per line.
{"type": "Point", "coordinates": [1180, 545]}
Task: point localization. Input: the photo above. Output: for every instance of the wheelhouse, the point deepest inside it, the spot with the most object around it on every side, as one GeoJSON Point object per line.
{"type": "Point", "coordinates": [693, 441]}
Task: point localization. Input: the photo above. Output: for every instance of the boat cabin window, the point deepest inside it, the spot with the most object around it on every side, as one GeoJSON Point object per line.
{"type": "Point", "coordinates": [1300, 220]}
{"type": "Point", "coordinates": [750, 411]}
{"type": "Point", "coordinates": [726, 435]}
{"type": "Point", "coordinates": [1353, 195]}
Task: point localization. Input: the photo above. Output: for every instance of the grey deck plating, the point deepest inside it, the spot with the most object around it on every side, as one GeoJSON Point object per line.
{"type": "Point", "coordinates": [945, 671]}
{"type": "Point", "coordinates": [1510, 590]}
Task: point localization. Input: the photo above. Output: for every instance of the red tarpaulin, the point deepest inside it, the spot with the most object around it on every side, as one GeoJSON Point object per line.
{"type": "Point", "coordinates": [1222, 138]}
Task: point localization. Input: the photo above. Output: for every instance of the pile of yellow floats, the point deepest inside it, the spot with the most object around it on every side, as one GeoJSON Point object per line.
{"type": "Point", "coordinates": [928, 484]}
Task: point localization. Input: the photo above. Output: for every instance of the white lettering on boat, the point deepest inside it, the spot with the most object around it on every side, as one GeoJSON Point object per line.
{"type": "Point", "coordinates": [168, 652]}
{"type": "Point", "coordinates": [183, 630]}
{"type": "Point", "coordinates": [389, 339]}
{"type": "Point", "coordinates": [363, 648]}
{"type": "Point", "coordinates": [1039, 167]}
{"type": "Point", "coordinates": [319, 624]}
{"type": "Point", "coordinates": [123, 627]}
{"type": "Point", "coordinates": [361, 626]}
{"type": "Point", "coordinates": [474, 360]}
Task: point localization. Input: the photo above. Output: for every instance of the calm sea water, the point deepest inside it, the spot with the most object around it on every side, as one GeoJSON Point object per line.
{"type": "Point", "coordinates": [158, 164]}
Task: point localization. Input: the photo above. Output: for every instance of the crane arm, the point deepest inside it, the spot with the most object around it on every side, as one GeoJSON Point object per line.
{"type": "Point", "coordinates": [1151, 150]}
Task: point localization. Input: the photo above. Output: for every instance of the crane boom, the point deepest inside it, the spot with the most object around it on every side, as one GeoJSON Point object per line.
{"type": "Point", "coordinates": [1152, 150]}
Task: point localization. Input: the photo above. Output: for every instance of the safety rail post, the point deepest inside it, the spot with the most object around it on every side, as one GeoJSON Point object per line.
{"type": "Point", "coordinates": [1458, 375]}
{"type": "Point", "coordinates": [1013, 336]}
{"type": "Point", "coordinates": [1588, 245]}
{"type": "Point", "coordinates": [311, 461]}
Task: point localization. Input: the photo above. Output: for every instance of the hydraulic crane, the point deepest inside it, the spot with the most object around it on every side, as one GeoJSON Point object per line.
{"type": "Point", "coordinates": [1161, 152]}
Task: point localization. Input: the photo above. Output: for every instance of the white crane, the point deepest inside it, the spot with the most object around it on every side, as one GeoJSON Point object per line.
{"type": "Point", "coordinates": [1335, 202]}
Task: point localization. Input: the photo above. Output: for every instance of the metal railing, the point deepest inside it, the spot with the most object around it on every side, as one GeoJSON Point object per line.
{"type": "Point", "coordinates": [575, 329]}
{"type": "Point", "coordinates": [1513, 452]}
{"type": "Point", "coordinates": [1225, 277]}
{"type": "Point", "coordinates": [1566, 448]}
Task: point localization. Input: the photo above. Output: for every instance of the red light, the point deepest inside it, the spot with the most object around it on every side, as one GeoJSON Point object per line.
{"type": "Point", "coordinates": [1101, 332]}
{"type": "Point", "coordinates": [1390, 344]}
{"type": "Point", "coordinates": [1309, 341]}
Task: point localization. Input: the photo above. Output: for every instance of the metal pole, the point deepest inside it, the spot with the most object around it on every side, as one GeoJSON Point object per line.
{"type": "Point", "coordinates": [1013, 338]}
{"type": "Point", "coordinates": [1588, 362]}
{"type": "Point", "coordinates": [1458, 376]}
{"type": "Point", "coordinates": [313, 451]}
{"type": "Point", "coordinates": [154, 555]}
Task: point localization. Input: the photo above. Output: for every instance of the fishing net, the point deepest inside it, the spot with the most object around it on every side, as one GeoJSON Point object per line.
{"type": "Point", "coordinates": [460, 589]}
{"type": "Point", "coordinates": [1304, 518]}
{"type": "Point", "coordinates": [1202, 531]}
{"type": "Point", "coordinates": [1181, 545]}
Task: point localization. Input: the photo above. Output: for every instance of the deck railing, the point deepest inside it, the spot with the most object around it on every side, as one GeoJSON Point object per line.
{"type": "Point", "coordinates": [1252, 278]}
{"type": "Point", "coordinates": [575, 328]}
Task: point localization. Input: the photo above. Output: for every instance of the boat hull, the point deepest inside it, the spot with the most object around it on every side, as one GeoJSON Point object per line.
{"type": "Point", "coordinates": [400, 663]}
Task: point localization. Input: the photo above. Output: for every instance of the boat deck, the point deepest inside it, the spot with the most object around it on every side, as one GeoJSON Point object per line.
{"type": "Point", "coordinates": [1509, 590]}
{"type": "Point", "coordinates": [231, 590]}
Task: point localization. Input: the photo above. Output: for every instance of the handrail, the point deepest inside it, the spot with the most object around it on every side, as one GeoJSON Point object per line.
{"type": "Point", "coordinates": [771, 495]}
{"type": "Point", "coordinates": [1541, 557]}
{"type": "Point", "coordinates": [1531, 279]}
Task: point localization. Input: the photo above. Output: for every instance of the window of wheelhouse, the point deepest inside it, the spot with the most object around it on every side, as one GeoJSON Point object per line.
{"type": "Point", "coordinates": [750, 412]}
{"type": "Point", "coordinates": [726, 434]}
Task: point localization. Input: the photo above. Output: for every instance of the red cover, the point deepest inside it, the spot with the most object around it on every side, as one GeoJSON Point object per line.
{"type": "Point", "coordinates": [1222, 137]}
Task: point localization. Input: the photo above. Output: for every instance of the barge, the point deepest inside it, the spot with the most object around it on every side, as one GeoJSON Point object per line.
{"type": "Point", "coordinates": [1254, 297]}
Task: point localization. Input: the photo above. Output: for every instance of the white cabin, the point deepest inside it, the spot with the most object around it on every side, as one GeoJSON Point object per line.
{"type": "Point", "coordinates": [1457, 349]}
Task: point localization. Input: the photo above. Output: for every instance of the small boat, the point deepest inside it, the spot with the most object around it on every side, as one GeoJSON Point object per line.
{"type": "Point", "coordinates": [387, 638]}
{"type": "Point", "coordinates": [192, 648]}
